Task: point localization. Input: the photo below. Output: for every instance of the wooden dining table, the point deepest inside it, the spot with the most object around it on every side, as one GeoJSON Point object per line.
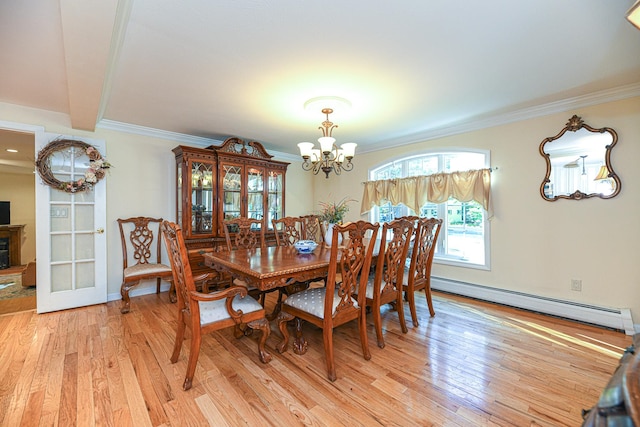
{"type": "Point", "coordinates": [273, 267]}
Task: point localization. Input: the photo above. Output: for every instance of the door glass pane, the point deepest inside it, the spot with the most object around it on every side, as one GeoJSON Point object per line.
{"type": "Point", "coordinates": [231, 187]}
{"type": "Point", "coordinates": [275, 197]}
{"type": "Point", "coordinates": [255, 190]}
{"type": "Point", "coordinates": [84, 275]}
{"type": "Point", "coordinates": [60, 247]}
{"type": "Point", "coordinates": [61, 277]}
{"type": "Point", "coordinates": [84, 218]}
{"type": "Point", "coordinates": [201, 197]}
{"type": "Point", "coordinates": [60, 217]}
{"type": "Point", "coordinates": [84, 246]}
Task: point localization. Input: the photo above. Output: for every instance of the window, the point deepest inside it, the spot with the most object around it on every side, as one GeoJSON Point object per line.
{"type": "Point", "coordinates": [464, 237]}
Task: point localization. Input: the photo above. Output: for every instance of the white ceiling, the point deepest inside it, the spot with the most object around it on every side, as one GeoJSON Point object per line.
{"type": "Point", "coordinates": [412, 69]}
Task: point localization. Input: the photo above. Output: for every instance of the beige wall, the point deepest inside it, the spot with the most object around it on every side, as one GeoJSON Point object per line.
{"type": "Point", "coordinates": [537, 246]}
{"type": "Point", "coordinates": [19, 190]}
{"type": "Point", "coordinates": [141, 181]}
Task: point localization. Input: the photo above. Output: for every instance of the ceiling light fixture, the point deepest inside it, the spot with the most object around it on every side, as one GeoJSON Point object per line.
{"type": "Point", "coordinates": [329, 157]}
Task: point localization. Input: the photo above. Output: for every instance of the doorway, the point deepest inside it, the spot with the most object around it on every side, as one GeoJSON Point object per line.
{"type": "Point", "coordinates": [17, 159]}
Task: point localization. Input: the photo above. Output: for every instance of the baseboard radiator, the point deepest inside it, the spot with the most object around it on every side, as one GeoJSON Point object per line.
{"type": "Point", "coordinates": [615, 318]}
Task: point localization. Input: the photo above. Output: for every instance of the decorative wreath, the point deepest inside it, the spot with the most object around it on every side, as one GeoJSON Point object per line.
{"type": "Point", "coordinates": [95, 172]}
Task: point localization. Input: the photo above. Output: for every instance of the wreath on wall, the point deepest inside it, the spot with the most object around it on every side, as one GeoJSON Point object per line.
{"type": "Point", "coordinates": [94, 173]}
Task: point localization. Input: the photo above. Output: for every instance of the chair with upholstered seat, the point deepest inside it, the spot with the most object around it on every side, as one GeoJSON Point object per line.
{"type": "Point", "coordinates": [141, 256]}
{"type": "Point", "coordinates": [311, 228]}
{"type": "Point", "coordinates": [203, 313]}
{"type": "Point", "coordinates": [248, 233]}
{"type": "Point", "coordinates": [288, 230]}
{"type": "Point", "coordinates": [386, 285]}
{"type": "Point", "coordinates": [335, 304]}
{"type": "Point", "coordinates": [418, 275]}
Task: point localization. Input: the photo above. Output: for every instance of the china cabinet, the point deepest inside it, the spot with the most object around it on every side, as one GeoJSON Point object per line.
{"type": "Point", "coordinates": [235, 179]}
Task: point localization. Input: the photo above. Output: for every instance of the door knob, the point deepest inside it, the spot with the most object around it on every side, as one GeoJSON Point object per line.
{"type": "Point", "coordinates": [100, 230]}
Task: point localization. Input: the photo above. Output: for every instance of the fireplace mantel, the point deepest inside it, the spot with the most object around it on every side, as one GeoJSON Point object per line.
{"type": "Point", "coordinates": [14, 233]}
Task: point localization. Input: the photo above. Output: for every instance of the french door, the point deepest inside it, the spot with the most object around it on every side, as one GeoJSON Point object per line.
{"type": "Point", "coordinates": [70, 233]}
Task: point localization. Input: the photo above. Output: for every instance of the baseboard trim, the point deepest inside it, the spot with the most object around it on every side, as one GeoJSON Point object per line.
{"type": "Point", "coordinates": [142, 290]}
{"type": "Point", "coordinates": [615, 318]}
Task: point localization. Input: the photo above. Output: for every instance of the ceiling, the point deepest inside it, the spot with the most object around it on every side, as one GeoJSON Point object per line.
{"type": "Point", "coordinates": [412, 70]}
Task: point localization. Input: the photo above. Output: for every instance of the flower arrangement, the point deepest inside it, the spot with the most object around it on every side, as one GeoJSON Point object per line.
{"type": "Point", "coordinates": [334, 213]}
{"type": "Point", "coordinates": [95, 172]}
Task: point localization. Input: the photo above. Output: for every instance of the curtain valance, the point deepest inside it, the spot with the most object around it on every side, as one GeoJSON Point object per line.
{"type": "Point", "coordinates": [415, 191]}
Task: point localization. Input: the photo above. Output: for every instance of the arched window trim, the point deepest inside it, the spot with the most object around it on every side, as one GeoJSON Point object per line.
{"type": "Point", "coordinates": [440, 257]}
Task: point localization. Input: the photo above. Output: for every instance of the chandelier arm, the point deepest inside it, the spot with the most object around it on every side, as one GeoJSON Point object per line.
{"type": "Point", "coordinates": [347, 166]}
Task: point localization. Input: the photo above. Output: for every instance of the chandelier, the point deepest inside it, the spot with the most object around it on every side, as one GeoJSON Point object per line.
{"type": "Point", "coordinates": [329, 157]}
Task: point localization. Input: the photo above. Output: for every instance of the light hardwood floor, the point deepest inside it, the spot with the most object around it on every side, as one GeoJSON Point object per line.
{"type": "Point", "coordinates": [473, 364]}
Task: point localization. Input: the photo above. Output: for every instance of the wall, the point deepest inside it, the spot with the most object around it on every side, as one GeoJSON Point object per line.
{"type": "Point", "coordinates": [537, 246]}
{"type": "Point", "coordinates": [20, 192]}
{"type": "Point", "coordinates": [141, 181]}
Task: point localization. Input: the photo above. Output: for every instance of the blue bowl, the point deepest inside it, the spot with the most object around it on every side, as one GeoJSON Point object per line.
{"type": "Point", "coordinates": [305, 246]}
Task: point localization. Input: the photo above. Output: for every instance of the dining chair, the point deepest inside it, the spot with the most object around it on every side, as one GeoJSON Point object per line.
{"type": "Point", "coordinates": [386, 284]}
{"type": "Point", "coordinates": [248, 233]}
{"type": "Point", "coordinates": [287, 230]}
{"type": "Point", "coordinates": [141, 256]}
{"type": "Point", "coordinates": [204, 313]}
{"type": "Point", "coordinates": [311, 228]}
{"type": "Point", "coordinates": [335, 304]}
{"type": "Point", "coordinates": [418, 275]}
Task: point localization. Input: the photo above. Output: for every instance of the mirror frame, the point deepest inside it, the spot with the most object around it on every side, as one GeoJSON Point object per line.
{"type": "Point", "coordinates": [575, 123]}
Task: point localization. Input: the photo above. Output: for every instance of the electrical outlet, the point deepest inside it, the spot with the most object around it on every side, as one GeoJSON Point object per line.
{"type": "Point", "coordinates": [576, 285]}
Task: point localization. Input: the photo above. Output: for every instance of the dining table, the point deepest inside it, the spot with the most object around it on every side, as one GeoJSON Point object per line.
{"type": "Point", "coordinates": [272, 267]}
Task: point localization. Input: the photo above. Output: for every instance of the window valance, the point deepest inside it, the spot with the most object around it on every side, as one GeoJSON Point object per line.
{"type": "Point", "coordinates": [415, 191]}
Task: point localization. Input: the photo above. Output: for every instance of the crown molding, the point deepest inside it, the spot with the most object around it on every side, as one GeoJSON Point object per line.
{"type": "Point", "coordinates": [473, 124]}
{"type": "Point", "coordinates": [156, 133]}
{"type": "Point", "coordinates": [178, 137]}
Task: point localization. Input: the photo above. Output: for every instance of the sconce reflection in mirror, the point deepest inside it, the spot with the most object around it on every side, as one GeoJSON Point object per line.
{"type": "Point", "coordinates": [579, 163]}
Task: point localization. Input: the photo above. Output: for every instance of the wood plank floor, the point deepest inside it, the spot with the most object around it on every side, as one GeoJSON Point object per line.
{"type": "Point", "coordinates": [473, 364]}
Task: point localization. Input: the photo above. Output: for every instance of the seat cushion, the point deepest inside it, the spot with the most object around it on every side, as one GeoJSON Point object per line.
{"type": "Point", "coordinates": [369, 292]}
{"type": "Point", "coordinates": [213, 311]}
{"type": "Point", "coordinates": [144, 269]}
{"type": "Point", "coordinates": [312, 301]}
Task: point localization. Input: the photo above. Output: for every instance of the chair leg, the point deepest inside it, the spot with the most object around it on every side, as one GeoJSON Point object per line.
{"type": "Point", "coordinates": [300, 345]}
{"type": "Point", "coordinates": [364, 340]}
{"type": "Point", "coordinates": [427, 291]}
{"type": "Point", "coordinates": [327, 336]}
{"type": "Point", "coordinates": [377, 322]}
{"type": "Point", "coordinates": [158, 285]}
{"type": "Point", "coordinates": [172, 292]}
{"type": "Point", "coordinates": [126, 301]}
{"type": "Point", "coordinates": [194, 353]}
{"type": "Point", "coordinates": [283, 318]}
{"type": "Point", "coordinates": [400, 308]}
{"type": "Point", "coordinates": [177, 346]}
{"type": "Point", "coordinates": [263, 325]}
{"type": "Point", "coordinates": [412, 307]}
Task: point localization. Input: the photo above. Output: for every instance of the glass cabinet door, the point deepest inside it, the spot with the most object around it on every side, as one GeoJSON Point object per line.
{"type": "Point", "coordinates": [275, 194]}
{"type": "Point", "coordinates": [231, 191]}
{"type": "Point", "coordinates": [201, 198]}
{"type": "Point", "coordinates": [255, 193]}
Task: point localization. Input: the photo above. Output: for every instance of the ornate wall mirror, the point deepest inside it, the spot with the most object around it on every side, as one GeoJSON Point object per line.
{"type": "Point", "coordinates": [579, 163]}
